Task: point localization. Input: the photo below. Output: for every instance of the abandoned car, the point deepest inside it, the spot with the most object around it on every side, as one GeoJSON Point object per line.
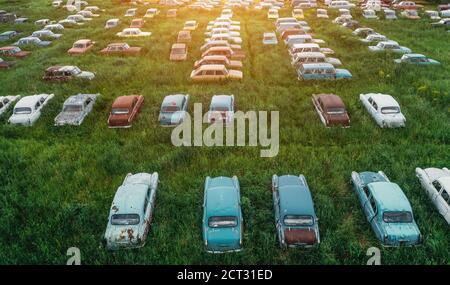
{"type": "Point", "coordinates": [125, 110]}
{"type": "Point", "coordinates": [389, 46]}
{"type": "Point", "coordinates": [137, 23]}
{"type": "Point", "coordinates": [184, 36]}
{"type": "Point", "coordinates": [75, 109]}
{"type": "Point", "coordinates": [81, 47]}
{"type": "Point", "coordinates": [6, 102]}
{"type": "Point", "coordinates": [112, 23]}
{"type": "Point", "coordinates": [151, 13]}
{"type": "Point", "coordinates": [14, 51]}
{"type": "Point", "coordinates": [215, 72]}
{"type": "Point", "coordinates": [178, 52]}
{"type": "Point", "coordinates": [313, 57]}
{"type": "Point", "coordinates": [133, 32]}
{"type": "Point", "coordinates": [218, 59]}
{"type": "Point", "coordinates": [270, 38]}
{"type": "Point", "coordinates": [121, 49]}
{"type": "Point", "coordinates": [374, 38]}
{"type": "Point", "coordinates": [173, 110]}
{"type": "Point", "coordinates": [28, 109]}
{"type": "Point", "coordinates": [226, 51]}
{"type": "Point", "coordinates": [384, 109]}
{"type": "Point", "coordinates": [221, 109]}
{"type": "Point", "coordinates": [42, 34]}
{"type": "Point", "coordinates": [32, 41]}
{"type": "Point", "coordinates": [331, 110]}
{"type": "Point", "coordinates": [65, 73]}
{"type": "Point", "coordinates": [8, 35]}
{"type": "Point", "coordinates": [190, 25]}
{"type": "Point", "coordinates": [321, 71]}
{"type": "Point", "coordinates": [130, 12]}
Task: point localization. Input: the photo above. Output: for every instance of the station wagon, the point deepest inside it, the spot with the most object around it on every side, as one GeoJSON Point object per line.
{"type": "Point", "coordinates": [28, 109]}
{"type": "Point", "coordinates": [173, 110]}
{"type": "Point", "coordinates": [436, 183]}
{"type": "Point", "coordinates": [178, 52]}
{"type": "Point", "coordinates": [295, 219]}
{"type": "Point", "coordinates": [331, 110]}
{"type": "Point", "coordinates": [386, 208]}
{"type": "Point", "coordinates": [6, 101]}
{"type": "Point", "coordinates": [13, 51]}
{"type": "Point", "coordinates": [32, 41]}
{"type": "Point", "coordinates": [218, 59]}
{"type": "Point", "coordinates": [132, 212]}
{"type": "Point", "coordinates": [313, 57]}
{"type": "Point", "coordinates": [221, 109]}
{"type": "Point", "coordinates": [389, 46]}
{"type": "Point", "coordinates": [121, 49]}
{"type": "Point", "coordinates": [124, 111]}
{"type": "Point", "coordinates": [215, 72]}
{"type": "Point", "coordinates": [320, 71]}
{"type": "Point", "coordinates": [226, 51]}
{"type": "Point", "coordinates": [223, 223]}
{"type": "Point", "coordinates": [65, 73]}
{"type": "Point", "coordinates": [384, 109]}
{"type": "Point", "coordinates": [414, 58]}
{"type": "Point", "coordinates": [75, 109]}
{"type": "Point", "coordinates": [81, 47]}
{"type": "Point", "coordinates": [137, 23]}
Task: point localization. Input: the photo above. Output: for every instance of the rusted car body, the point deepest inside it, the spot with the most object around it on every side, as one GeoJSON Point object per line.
{"type": "Point", "coordinates": [65, 73]}
{"type": "Point", "coordinates": [125, 110]}
{"type": "Point", "coordinates": [75, 109]}
{"type": "Point", "coordinates": [120, 49]}
{"type": "Point", "coordinates": [331, 110]}
{"type": "Point", "coordinates": [178, 52]}
{"type": "Point", "coordinates": [81, 47]}
{"type": "Point", "coordinates": [184, 36]}
{"type": "Point", "coordinates": [13, 51]}
{"type": "Point", "coordinates": [137, 23]}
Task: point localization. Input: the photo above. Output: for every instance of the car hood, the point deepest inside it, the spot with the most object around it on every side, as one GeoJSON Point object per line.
{"type": "Point", "coordinates": [402, 233]}
{"type": "Point", "coordinates": [68, 118]}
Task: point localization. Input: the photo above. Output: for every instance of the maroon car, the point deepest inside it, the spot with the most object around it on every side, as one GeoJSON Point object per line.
{"type": "Point", "coordinates": [125, 110]}
{"type": "Point", "coordinates": [331, 110]}
{"type": "Point", "coordinates": [13, 51]}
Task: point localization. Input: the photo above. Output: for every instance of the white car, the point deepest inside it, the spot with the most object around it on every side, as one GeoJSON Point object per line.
{"type": "Point", "coordinates": [433, 15]}
{"type": "Point", "coordinates": [28, 110]}
{"type": "Point", "coordinates": [133, 32]}
{"type": "Point", "coordinates": [78, 18]}
{"type": "Point", "coordinates": [436, 183]}
{"type": "Point", "coordinates": [131, 12]}
{"type": "Point", "coordinates": [374, 38]}
{"type": "Point", "coordinates": [42, 22]}
{"type": "Point", "coordinates": [322, 13]}
{"type": "Point", "coordinates": [341, 5]}
{"type": "Point", "coordinates": [445, 14]}
{"type": "Point", "coordinates": [57, 3]}
{"type": "Point", "coordinates": [226, 37]}
{"type": "Point", "coordinates": [390, 14]}
{"type": "Point", "coordinates": [93, 9]}
{"type": "Point", "coordinates": [53, 27]}
{"type": "Point", "coordinates": [6, 101]}
{"type": "Point", "coordinates": [112, 23]}
{"type": "Point", "coordinates": [151, 13]}
{"type": "Point", "coordinates": [384, 109]}
{"type": "Point", "coordinates": [216, 31]}
{"type": "Point", "coordinates": [226, 25]}
{"type": "Point", "coordinates": [389, 46]}
{"type": "Point", "coordinates": [68, 23]}
{"type": "Point", "coordinates": [46, 34]}
{"type": "Point", "coordinates": [369, 14]}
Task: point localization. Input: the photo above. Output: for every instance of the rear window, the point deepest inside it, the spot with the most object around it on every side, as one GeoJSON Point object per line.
{"type": "Point", "coordinates": [298, 220]}
{"type": "Point", "coordinates": [222, 222]}
{"type": "Point", "coordinates": [125, 219]}
{"type": "Point", "coordinates": [22, 111]}
{"type": "Point", "coordinates": [397, 217]}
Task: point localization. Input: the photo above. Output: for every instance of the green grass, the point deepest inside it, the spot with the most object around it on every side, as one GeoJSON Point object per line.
{"type": "Point", "coordinates": [57, 184]}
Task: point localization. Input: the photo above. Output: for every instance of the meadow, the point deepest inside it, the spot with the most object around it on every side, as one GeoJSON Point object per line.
{"type": "Point", "coordinates": [57, 183]}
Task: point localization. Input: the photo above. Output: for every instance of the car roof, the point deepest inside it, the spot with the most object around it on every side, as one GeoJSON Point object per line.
{"type": "Point", "coordinates": [116, 44]}
{"type": "Point", "coordinates": [390, 196]}
{"type": "Point", "coordinates": [221, 100]}
{"type": "Point", "coordinates": [222, 199]}
{"type": "Point", "coordinates": [295, 197]}
{"type": "Point", "coordinates": [176, 99]}
{"type": "Point", "coordinates": [76, 99]}
{"type": "Point", "coordinates": [28, 101]}
{"type": "Point", "coordinates": [317, 65]}
{"type": "Point", "coordinates": [212, 67]}
{"type": "Point", "coordinates": [383, 100]}
{"type": "Point", "coordinates": [123, 101]}
{"type": "Point", "coordinates": [331, 100]}
{"type": "Point", "coordinates": [179, 45]}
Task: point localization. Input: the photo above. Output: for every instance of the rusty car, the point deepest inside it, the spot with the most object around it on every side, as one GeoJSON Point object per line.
{"type": "Point", "coordinates": [124, 111]}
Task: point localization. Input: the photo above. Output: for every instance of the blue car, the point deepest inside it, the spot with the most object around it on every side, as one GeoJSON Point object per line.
{"type": "Point", "coordinates": [295, 219]}
{"type": "Point", "coordinates": [321, 71]}
{"type": "Point", "coordinates": [8, 35]}
{"type": "Point", "coordinates": [173, 110]}
{"type": "Point", "coordinates": [386, 208]}
{"type": "Point", "coordinates": [222, 215]}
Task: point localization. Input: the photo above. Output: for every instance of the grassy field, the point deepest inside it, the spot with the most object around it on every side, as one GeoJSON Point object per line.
{"type": "Point", "coordinates": [57, 183]}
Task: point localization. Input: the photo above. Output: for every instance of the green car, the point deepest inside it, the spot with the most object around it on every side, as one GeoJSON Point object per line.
{"type": "Point", "coordinates": [415, 58]}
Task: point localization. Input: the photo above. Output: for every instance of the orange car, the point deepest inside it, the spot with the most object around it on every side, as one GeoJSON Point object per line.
{"type": "Point", "coordinates": [137, 23]}
{"type": "Point", "coordinates": [215, 72]}
{"type": "Point", "coordinates": [178, 52]}
{"type": "Point", "coordinates": [80, 47]}
{"type": "Point", "coordinates": [226, 51]}
{"type": "Point", "coordinates": [218, 59]}
{"type": "Point", "coordinates": [184, 37]}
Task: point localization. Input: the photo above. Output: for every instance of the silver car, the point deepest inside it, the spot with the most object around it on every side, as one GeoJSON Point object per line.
{"type": "Point", "coordinates": [75, 109]}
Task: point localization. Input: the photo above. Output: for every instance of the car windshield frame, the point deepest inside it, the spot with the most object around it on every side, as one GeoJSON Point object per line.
{"type": "Point", "coordinates": [298, 220]}
{"type": "Point", "coordinates": [125, 219]}
{"type": "Point", "coordinates": [217, 222]}
{"type": "Point", "coordinates": [395, 217]}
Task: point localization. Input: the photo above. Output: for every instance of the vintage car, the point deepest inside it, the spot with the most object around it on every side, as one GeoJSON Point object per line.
{"type": "Point", "coordinates": [369, 14]}
{"type": "Point", "coordinates": [6, 36]}
{"type": "Point", "coordinates": [386, 208]}
{"type": "Point", "coordinates": [291, 32]}
{"type": "Point", "coordinates": [137, 23]}
{"type": "Point", "coordinates": [120, 49]}
{"type": "Point", "coordinates": [407, 5]}
{"type": "Point", "coordinates": [331, 110]}
{"type": "Point", "coordinates": [21, 20]}
{"type": "Point", "coordinates": [8, 18]}
{"type": "Point", "coordinates": [220, 43]}
{"type": "Point", "coordinates": [66, 23]}
{"type": "Point", "coordinates": [224, 25]}
{"type": "Point", "coordinates": [390, 14]}
{"type": "Point", "coordinates": [226, 51]}
{"type": "Point", "coordinates": [65, 73]}
{"type": "Point", "coordinates": [190, 25]}
{"type": "Point", "coordinates": [436, 183]}
{"type": "Point", "coordinates": [131, 212]}
{"type": "Point", "coordinates": [322, 13]}
{"type": "Point", "coordinates": [54, 27]}
{"type": "Point", "coordinates": [173, 110]}
{"type": "Point", "coordinates": [415, 58]}
{"type": "Point", "coordinates": [130, 12]}
{"type": "Point", "coordinates": [218, 59]}
{"type": "Point", "coordinates": [442, 23]}
{"type": "Point", "coordinates": [384, 110]}
{"type": "Point", "coordinates": [125, 110]}
{"type": "Point", "coordinates": [297, 13]}
{"type": "Point", "coordinates": [221, 109]}
{"type": "Point", "coordinates": [374, 38]}
{"type": "Point", "coordinates": [75, 109]}
{"type": "Point", "coordinates": [13, 51]}
{"type": "Point", "coordinates": [171, 13]}
{"type": "Point", "coordinates": [223, 223]}
{"type": "Point", "coordinates": [410, 14]}
{"type": "Point", "coordinates": [133, 32]}
{"type": "Point", "coordinates": [184, 36]}
{"type": "Point", "coordinates": [222, 30]}
{"type": "Point", "coordinates": [301, 39]}
{"type": "Point", "coordinates": [81, 47]}
{"type": "Point", "coordinates": [445, 14]}
{"type": "Point", "coordinates": [363, 32]}
{"type": "Point", "coordinates": [308, 47]}
{"type": "Point", "coordinates": [6, 101]}
{"type": "Point", "coordinates": [341, 5]}
{"type": "Point", "coordinates": [270, 39]}
{"type": "Point", "coordinates": [224, 19]}
{"type": "Point", "coordinates": [215, 72]}
{"type": "Point", "coordinates": [6, 64]}
{"type": "Point", "coordinates": [301, 58]}
{"type": "Point", "coordinates": [321, 71]}
{"type": "Point", "coordinates": [78, 18]}
{"type": "Point", "coordinates": [295, 219]}
{"type": "Point", "coordinates": [42, 22]}
{"type": "Point", "coordinates": [226, 37]}
{"type": "Point", "coordinates": [88, 14]}
{"type": "Point", "coordinates": [112, 23]}
{"type": "Point", "coordinates": [178, 52]}
{"type": "Point", "coordinates": [28, 109]}
{"type": "Point", "coordinates": [32, 41]}
{"type": "Point", "coordinates": [444, 7]}
{"type": "Point", "coordinates": [272, 14]}
{"type": "Point", "coordinates": [389, 46]}
{"type": "Point", "coordinates": [43, 34]}
{"type": "Point", "coordinates": [151, 13]}
{"type": "Point", "coordinates": [433, 15]}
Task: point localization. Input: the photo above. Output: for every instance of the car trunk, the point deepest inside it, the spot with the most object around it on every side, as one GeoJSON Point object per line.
{"type": "Point", "coordinates": [300, 236]}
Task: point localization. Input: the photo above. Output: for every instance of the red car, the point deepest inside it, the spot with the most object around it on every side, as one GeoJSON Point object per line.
{"type": "Point", "coordinates": [125, 110]}
{"type": "Point", "coordinates": [13, 51]}
{"type": "Point", "coordinates": [407, 5]}
{"type": "Point", "coordinates": [331, 110]}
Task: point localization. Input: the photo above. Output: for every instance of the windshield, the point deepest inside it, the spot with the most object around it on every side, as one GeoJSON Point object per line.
{"type": "Point", "coordinates": [119, 111]}
{"type": "Point", "coordinates": [125, 219]}
{"type": "Point", "coordinates": [390, 110]}
{"type": "Point", "coordinates": [72, 108]}
{"type": "Point", "coordinates": [222, 222]}
{"type": "Point", "coordinates": [336, 111]}
{"type": "Point", "coordinates": [178, 51]}
{"type": "Point", "coordinates": [170, 109]}
{"type": "Point", "coordinates": [23, 110]}
{"type": "Point", "coordinates": [298, 220]}
{"type": "Point", "coordinates": [397, 217]}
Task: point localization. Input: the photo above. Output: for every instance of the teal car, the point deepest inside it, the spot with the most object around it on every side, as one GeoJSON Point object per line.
{"type": "Point", "coordinates": [321, 71]}
{"type": "Point", "coordinates": [173, 110]}
{"type": "Point", "coordinates": [415, 58]}
{"type": "Point", "coordinates": [222, 215]}
{"type": "Point", "coordinates": [386, 208]}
